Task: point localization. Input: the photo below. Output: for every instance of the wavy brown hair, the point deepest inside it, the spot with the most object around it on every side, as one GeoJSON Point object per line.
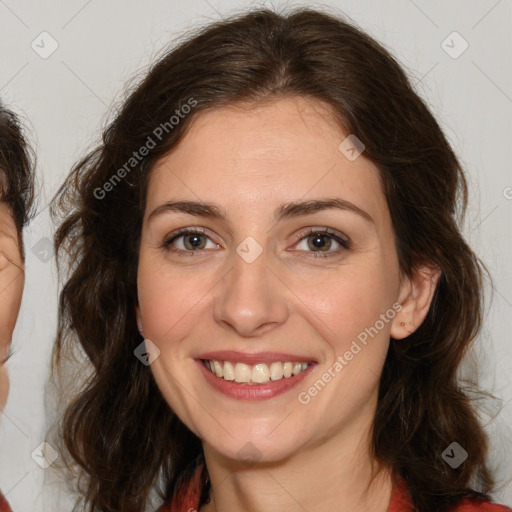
{"type": "Point", "coordinates": [17, 163]}
{"type": "Point", "coordinates": [119, 433]}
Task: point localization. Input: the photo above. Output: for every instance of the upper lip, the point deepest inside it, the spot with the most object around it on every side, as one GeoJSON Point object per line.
{"type": "Point", "coordinates": [254, 357]}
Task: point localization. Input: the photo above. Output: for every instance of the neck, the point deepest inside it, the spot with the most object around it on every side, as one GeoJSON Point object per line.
{"type": "Point", "coordinates": [334, 474]}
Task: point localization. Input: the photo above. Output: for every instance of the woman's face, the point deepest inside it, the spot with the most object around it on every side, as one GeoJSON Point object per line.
{"type": "Point", "coordinates": [12, 279]}
{"type": "Point", "coordinates": [258, 285]}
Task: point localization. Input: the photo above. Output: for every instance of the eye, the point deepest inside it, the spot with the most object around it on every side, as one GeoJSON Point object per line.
{"type": "Point", "coordinates": [188, 240]}
{"type": "Point", "coordinates": [321, 241]}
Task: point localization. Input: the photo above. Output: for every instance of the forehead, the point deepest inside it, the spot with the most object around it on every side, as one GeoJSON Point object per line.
{"type": "Point", "coordinates": [259, 156]}
{"type": "Point", "coordinates": [266, 135]}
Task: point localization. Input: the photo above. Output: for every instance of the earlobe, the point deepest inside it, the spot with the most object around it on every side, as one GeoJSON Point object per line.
{"type": "Point", "coordinates": [416, 294]}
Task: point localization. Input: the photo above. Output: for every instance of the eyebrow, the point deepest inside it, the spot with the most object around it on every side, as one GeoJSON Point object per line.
{"type": "Point", "coordinates": [285, 211]}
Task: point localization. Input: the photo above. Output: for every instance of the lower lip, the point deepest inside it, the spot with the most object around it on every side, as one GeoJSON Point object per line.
{"type": "Point", "coordinates": [250, 392]}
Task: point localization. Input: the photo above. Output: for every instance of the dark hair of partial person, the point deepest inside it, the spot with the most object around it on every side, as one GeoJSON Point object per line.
{"type": "Point", "coordinates": [119, 434]}
{"type": "Point", "coordinates": [17, 162]}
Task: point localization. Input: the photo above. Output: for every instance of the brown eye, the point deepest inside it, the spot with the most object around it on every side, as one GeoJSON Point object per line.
{"type": "Point", "coordinates": [323, 241]}
{"type": "Point", "coordinates": [319, 241]}
{"type": "Point", "coordinates": [188, 240]}
{"type": "Point", "coordinates": [193, 241]}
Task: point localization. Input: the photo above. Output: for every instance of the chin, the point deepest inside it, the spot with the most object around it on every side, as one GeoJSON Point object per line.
{"type": "Point", "coordinates": [254, 449]}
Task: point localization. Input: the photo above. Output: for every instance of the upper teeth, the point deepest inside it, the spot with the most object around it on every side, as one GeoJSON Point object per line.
{"type": "Point", "coordinates": [256, 374]}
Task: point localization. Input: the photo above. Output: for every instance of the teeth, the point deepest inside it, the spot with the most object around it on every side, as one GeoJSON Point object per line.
{"type": "Point", "coordinates": [242, 372]}
{"type": "Point", "coordinates": [260, 373]}
{"type": "Point", "coordinates": [257, 374]}
{"type": "Point", "coordinates": [297, 368]}
{"type": "Point", "coordinates": [276, 371]}
{"type": "Point", "coordinates": [218, 368]}
{"type": "Point", "coordinates": [229, 371]}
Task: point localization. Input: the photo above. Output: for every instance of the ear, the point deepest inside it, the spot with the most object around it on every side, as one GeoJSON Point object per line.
{"type": "Point", "coordinates": [415, 298]}
{"type": "Point", "coordinates": [139, 320]}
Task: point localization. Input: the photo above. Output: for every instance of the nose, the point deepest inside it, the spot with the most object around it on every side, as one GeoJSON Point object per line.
{"type": "Point", "coordinates": [251, 299]}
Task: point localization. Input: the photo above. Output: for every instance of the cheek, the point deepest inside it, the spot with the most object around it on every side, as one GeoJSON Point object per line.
{"type": "Point", "coordinates": [169, 300]}
{"type": "Point", "coordinates": [348, 301]}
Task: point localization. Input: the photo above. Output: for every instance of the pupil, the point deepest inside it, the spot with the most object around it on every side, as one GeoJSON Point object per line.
{"type": "Point", "coordinates": [194, 240]}
{"type": "Point", "coordinates": [319, 241]}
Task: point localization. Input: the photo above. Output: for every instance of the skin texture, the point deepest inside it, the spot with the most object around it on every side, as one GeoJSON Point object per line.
{"type": "Point", "coordinates": [12, 280]}
{"type": "Point", "coordinates": [249, 161]}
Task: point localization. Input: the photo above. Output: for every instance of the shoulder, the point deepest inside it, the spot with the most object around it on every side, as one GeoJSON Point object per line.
{"type": "Point", "coordinates": [401, 502]}
{"type": "Point", "coordinates": [467, 505]}
{"type": "Point", "coordinates": [188, 494]}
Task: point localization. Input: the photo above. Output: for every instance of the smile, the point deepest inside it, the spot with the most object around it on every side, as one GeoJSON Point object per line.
{"type": "Point", "coordinates": [260, 373]}
{"type": "Point", "coordinates": [254, 376]}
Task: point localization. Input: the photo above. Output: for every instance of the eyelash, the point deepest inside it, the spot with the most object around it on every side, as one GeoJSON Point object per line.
{"type": "Point", "coordinates": [345, 243]}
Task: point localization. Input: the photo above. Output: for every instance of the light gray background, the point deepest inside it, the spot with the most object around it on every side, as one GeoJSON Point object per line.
{"type": "Point", "coordinates": [65, 99]}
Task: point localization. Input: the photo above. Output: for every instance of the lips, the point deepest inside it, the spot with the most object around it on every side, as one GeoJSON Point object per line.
{"type": "Point", "coordinates": [253, 376]}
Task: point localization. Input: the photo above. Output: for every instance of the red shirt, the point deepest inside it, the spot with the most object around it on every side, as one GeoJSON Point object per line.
{"type": "Point", "coordinates": [187, 499]}
{"type": "Point", "coordinates": [4, 506]}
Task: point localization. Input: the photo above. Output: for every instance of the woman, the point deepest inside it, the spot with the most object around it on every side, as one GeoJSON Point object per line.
{"type": "Point", "coordinates": [269, 283]}
{"type": "Point", "coordinates": [16, 197]}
